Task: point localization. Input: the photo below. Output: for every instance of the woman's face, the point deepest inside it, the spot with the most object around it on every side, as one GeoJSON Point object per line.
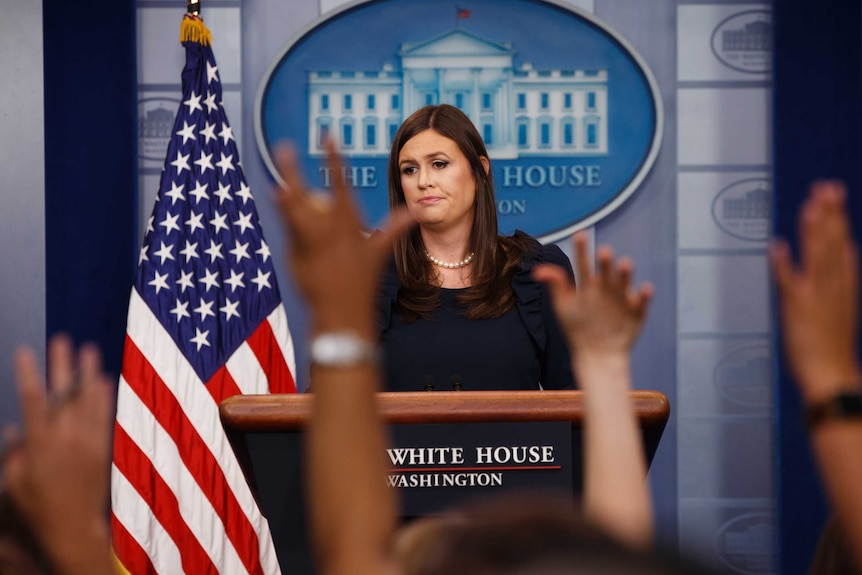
{"type": "Point", "coordinates": [437, 181]}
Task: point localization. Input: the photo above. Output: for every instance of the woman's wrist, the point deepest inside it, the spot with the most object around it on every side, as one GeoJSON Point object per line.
{"type": "Point", "coordinates": [605, 368]}
{"type": "Point", "coordinates": [343, 349]}
{"type": "Point", "coordinates": [822, 384]}
{"type": "Point", "coordinates": [358, 321]}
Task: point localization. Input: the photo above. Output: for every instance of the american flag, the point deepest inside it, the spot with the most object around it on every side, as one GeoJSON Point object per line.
{"type": "Point", "coordinates": [205, 322]}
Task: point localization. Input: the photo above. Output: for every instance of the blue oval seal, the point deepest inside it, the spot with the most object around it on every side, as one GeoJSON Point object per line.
{"type": "Point", "coordinates": [572, 116]}
{"type": "Point", "coordinates": [743, 41]}
{"type": "Point", "coordinates": [744, 209]}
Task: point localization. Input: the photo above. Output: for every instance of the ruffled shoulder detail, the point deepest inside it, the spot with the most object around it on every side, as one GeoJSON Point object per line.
{"type": "Point", "coordinates": [529, 293]}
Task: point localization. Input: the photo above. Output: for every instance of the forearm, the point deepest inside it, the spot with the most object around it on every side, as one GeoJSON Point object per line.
{"type": "Point", "coordinates": [838, 448]}
{"type": "Point", "coordinates": [352, 510]}
{"type": "Point", "coordinates": [616, 493]}
{"type": "Point", "coordinates": [86, 551]}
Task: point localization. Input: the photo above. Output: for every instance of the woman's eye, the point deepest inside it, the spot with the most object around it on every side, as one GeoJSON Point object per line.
{"type": "Point", "coordinates": [408, 170]}
{"type": "Point", "coordinates": [440, 164]}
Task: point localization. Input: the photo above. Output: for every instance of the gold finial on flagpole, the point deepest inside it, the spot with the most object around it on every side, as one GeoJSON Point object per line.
{"type": "Point", "coordinates": [193, 29]}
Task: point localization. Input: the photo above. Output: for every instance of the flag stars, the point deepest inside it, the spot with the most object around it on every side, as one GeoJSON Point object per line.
{"type": "Point", "coordinates": [210, 102]}
{"type": "Point", "coordinates": [190, 251]}
{"type": "Point", "coordinates": [214, 251]}
{"type": "Point", "coordinates": [181, 163]}
{"type": "Point", "coordinates": [159, 281]}
{"type": "Point", "coordinates": [240, 251]}
{"type": "Point", "coordinates": [218, 222]}
{"type": "Point", "coordinates": [223, 193]}
{"type": "Point", "coordinates": [226, 134]}
{"type": "Point", "coordinates": [229, 309]}
{"type": "Point", "coordinates": [244, 222]}
{"type": "Point", "coordinates": [205, 162]}
{"type": "Point", "coordinates": [263, 251]}
{"type": "Point", "coordinates": [194, 222]}
{"type": "Point", "coordinates": [199, 192]}
{"type": "Point", "coordinates": [175, 193]}
{"type": "Point", "coordinates": [165, 253]}
{"type": "Point", "coordinates": [208, 132]}
{"type": "Point", "coordinates": [194, 103]}
{"type": "Point", "coordinates": [262, 280]}
{"type": "Point", "coordinates": [150, 223]}
{"type": "Point", "coordinates": [143, 257]}
{"type": "Point", "coordinates": [180, 310]}
{"type": "Point", "coordinates": [235, 280]}
{"type": "Point", "coordinates": [210, 280]}
{"type": "Point", "coordinates": [205, 309]}
{"type": "Point", "coordinates": [212, 69]}
{"type": "Point", "coordinates": [185, 281]}
{"type": "Point", "coordinates": [170, 223]}
{"type": "Point", "coordinates": [226, 163]}
{"type": "Point", "coordinates": [244, 192]}
{"type": "Point", "coordinates": [188, 132]}
{"type": "Point", "coordinates": [200, 338]}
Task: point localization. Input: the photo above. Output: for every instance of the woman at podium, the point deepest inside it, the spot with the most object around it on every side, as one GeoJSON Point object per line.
{"type": "Point", "coordinates": [458, 307]}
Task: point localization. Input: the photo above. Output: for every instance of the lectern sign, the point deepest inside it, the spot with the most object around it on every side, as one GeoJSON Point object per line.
{"type": "Point", "coordinates": [434, 465]}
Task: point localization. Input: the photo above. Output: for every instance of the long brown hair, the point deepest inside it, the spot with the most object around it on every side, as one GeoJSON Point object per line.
{"type": "Point", "coordinates": [497, 257]}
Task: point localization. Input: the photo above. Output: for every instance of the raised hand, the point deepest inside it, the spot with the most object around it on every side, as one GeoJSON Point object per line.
{"type": "Point", "coordinates": [337, 269]}
{"type": "Point", "coordinates": [57, 474]}
{"type": "Point", "coordinates": [819, 296]}
{"type": "Point", "coordinates": [605, 312]}
{"type": "Point", "coordinates": [601, 320]}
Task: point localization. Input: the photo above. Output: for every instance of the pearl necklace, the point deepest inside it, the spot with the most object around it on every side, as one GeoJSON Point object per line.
{"type": "Point", "coordinates": [447, 265]}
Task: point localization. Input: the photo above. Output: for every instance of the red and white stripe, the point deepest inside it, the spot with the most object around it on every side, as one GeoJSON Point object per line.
{"type": "Point", "coordinates": [180, 501]}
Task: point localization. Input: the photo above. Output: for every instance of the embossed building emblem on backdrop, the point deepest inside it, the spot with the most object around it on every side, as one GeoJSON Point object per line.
{"type": "Point", "coordinates": [744, 209]}
{"type": "Point", "coordinates": [744, 542]}
{"type": "Point", "coordinates": [155, 121]}
{"type": "Point", "coordinates": [571, 117]}
{"type": "Point", "coordinates": [744, 376]}
{"type": "Point", "coordinates": [743, 41]}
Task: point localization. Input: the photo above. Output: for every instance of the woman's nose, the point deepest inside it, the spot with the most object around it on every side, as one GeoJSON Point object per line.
{"type": "Point", "coordinates": [425, 179]}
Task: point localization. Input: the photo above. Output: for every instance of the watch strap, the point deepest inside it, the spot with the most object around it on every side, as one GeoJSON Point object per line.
{"type": "Point", "coordinates": [342, 349]}
{"type": "Point", "coordinates": [843, 405]}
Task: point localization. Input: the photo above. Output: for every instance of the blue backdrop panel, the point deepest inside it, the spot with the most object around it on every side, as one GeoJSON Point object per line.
{"type": "Point", "coordinates": [817, 133]}
{"type": "Point", "coordinates": [90, 178]}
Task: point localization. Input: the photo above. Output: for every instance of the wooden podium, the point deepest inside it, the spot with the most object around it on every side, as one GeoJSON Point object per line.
{"type": "Point", "coordinates": [266, 434]}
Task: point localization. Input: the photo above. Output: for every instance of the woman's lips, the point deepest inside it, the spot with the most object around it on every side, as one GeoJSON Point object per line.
{"type": "Point", "coordinates": [428, 200]}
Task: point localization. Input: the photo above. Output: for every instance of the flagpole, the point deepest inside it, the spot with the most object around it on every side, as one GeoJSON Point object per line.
{"type": "Point", "coordinates": [194, 7]}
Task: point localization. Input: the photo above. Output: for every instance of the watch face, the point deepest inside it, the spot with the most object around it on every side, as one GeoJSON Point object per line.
{"type": "Point", "coordinates": [850, 404]}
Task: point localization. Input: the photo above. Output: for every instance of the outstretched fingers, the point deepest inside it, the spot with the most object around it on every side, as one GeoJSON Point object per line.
{"type": "Point", "coordinates": [606, 272]}
{"type": "Point", "coordinates": [582, 258]}
{"type": "Point", "coordinates": [292, 193]}
{"type": "Point", "coordinates": [343, 202]}
{"type": "Point", "coordinates": [555, 278]}
{"type": "Point", "coordinates": [399, 222]}
{"type": "Point", "coordinates": [31, 390]}
{"type": "Point", "coordinates": [639, 299]}
{"type": "Point", "coordinates": [96, 391]}
{"type": "Point", "coordinates": [782, 265]}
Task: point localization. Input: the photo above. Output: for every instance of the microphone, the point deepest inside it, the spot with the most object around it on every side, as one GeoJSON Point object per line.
{"type": "Point", "coordinates": [456, 382]}
{"type": "Point", "coordinates": [429, 383]}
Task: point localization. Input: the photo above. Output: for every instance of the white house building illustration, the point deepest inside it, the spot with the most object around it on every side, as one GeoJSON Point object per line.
{"type": "Point", "coordinates": [518, 111]}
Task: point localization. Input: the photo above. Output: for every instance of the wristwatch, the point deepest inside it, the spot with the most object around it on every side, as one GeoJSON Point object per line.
{"type": "Point", "coordinates": [342, 349]}
{"type": "Point", "coordinates": [844, 405]}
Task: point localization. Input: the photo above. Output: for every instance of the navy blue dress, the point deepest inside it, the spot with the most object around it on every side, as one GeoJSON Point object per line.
{"type": "Point", "coordinates": [523, 349]}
